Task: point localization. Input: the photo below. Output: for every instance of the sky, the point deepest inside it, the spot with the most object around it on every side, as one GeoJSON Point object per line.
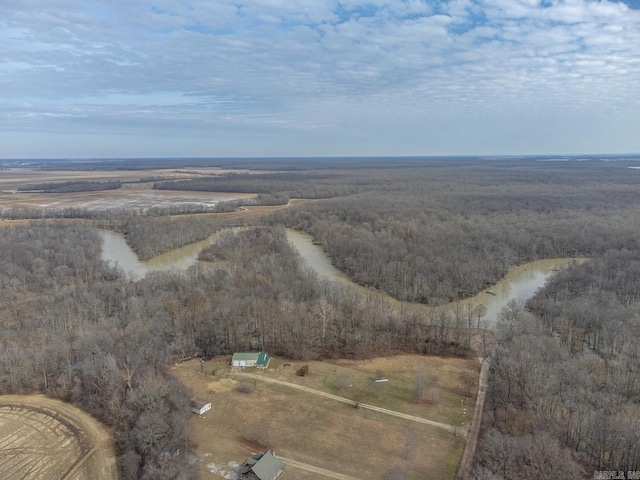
{"type": "Point", "coordinates": [234, 78]}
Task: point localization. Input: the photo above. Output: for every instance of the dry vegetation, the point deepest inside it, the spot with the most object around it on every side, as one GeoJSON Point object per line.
{"type": "Point", "coordinates": [22, 195]}
{"type": "Point", "coordinates": [14, 177]}
{"type": "Point", "coordinates": [424, 231]}
{"type": "Point", "coordinates": [44, 438]}
{"type": "Point", "coordinates": [321, 432]}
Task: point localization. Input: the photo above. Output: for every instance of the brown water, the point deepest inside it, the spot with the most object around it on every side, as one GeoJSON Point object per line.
{"type": "Point", "coordinates": [316, 258]}
{"type": "Point", "coordinates": [116, 251]}
{"type": "Point", "coordinates": [520, 283]}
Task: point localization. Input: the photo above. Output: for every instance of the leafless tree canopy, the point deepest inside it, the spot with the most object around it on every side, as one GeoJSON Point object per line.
{"type": "Point", "coordinates": [565, 379]}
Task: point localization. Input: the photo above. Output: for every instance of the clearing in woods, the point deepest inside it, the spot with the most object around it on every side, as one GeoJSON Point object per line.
{"type": "Point", "coordinates": [41, 438]}
{"type": "Point", "coordinates": [132, 195]}
{"type": "Point", "coordinates": [322, 437]}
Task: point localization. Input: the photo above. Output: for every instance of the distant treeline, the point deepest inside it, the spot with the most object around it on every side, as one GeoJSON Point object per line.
{"type": "Point", "coordinates": [291, 184]}
{"type": "Point", "coordinates": [155, 178]}
{"type": "Point", "coordinates": [439, 233]}
{"type": "Point", "coordinates": [180, 208]}
{"type": "Point", "coordinates": [20, 213]}
{"type": "Point", "coordinates": [301, 163]}
{"type": "Point", "coordinates": [72, 186]}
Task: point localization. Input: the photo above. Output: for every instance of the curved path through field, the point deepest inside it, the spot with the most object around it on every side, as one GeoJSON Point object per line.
{"type": "Point", "coordinates": [318, 470]}
{"type": "Point", "coordinates": [450, 428]}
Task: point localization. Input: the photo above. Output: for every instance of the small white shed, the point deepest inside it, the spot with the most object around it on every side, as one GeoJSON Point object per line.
{"type": "Point", "coordinates": [200, 406]}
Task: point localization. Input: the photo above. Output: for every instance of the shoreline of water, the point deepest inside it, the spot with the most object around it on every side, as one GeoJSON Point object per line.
{"type": "Point", "coordinates": [520, 283]}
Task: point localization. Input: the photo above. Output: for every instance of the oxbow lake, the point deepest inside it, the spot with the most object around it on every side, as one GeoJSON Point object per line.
{"type": "Point", "coordinates": [520, 283]}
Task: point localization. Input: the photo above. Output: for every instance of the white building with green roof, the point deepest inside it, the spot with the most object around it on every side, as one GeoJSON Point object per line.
{"type": "Point", "coordinates": [250, 359]}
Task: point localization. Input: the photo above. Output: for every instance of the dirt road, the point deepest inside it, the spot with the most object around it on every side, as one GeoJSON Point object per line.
{"type": "Point", "coordinates": [318, 470]}
{"type": "Point", "coordinates": [464, 468]}
{"type": "Point", "coordinates": [450, 428]}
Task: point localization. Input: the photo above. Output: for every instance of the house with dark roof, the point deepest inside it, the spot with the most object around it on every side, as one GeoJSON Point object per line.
{"type": "Point", "coordinates": [262, 466]}
{"type": "Point", "coordinates": [250, 359]}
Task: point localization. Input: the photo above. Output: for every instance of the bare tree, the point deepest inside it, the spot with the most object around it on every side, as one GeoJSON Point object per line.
{"type": "Point", "coordinates": [420, 383]}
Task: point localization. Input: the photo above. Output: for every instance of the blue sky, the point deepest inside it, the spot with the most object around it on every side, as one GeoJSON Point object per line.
{"type": "Point", "coordinates": [137, 78]}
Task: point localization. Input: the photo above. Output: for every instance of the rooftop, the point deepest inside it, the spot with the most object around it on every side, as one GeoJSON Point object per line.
{"type": "Point", "coordinates": [262, 359]}
{"type": "Point", "coordinates": [264, 466]}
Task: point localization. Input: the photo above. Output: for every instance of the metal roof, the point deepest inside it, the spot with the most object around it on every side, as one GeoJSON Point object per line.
{"type": "Point", "coordinates": [260, 358]}
{"type": "Point", "coordinates": [268, 466]}
{"type": "Point", "coordinates": [245, 356]}
{"type": "Point", "coordinates": [263, 359]}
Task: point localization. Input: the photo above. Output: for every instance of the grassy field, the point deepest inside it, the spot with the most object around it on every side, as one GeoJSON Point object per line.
{"type": "Point", "coordinates": [321, 433]}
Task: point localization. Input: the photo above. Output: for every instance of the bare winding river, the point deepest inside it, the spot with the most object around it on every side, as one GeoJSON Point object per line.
{"type": "Point", "coordinates": [521, 282]}
{"type": "Point", "coordinates": [116, 251]}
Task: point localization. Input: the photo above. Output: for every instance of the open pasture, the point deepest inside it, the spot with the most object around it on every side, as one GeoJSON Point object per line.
{"type": "Point", "coordinates": [324, 438]}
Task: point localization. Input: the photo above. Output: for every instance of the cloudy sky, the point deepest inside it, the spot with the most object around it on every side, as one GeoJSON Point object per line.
{"type": "Point", "coordinates": [144, 78]}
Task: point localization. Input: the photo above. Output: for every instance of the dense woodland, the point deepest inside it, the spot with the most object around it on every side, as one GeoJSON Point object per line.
{"type": "Point", "coordinates": [76, 329]}
{"type": "Point", "coordinates": [565, 380]}
{"type": "Point", "coordinates": [292, 184]}
{"type": "Point", "coordinates": [67, 330]}
{"type": "Point", "coordinates": [438, 233]}
{"type": "Point", "coordinates": [150, 237]}
{"type": "Point", "coordinates": [434, 231]}
{"type": "Point", "coordinates": [564, 386]}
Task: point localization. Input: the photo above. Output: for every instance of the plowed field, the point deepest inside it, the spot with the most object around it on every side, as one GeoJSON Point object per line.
{"type": "Point", "coordinates": [41, 438]}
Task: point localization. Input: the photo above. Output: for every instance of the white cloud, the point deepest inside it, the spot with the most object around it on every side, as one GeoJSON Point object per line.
{"type": "Point", "coordinates": [293, 69]}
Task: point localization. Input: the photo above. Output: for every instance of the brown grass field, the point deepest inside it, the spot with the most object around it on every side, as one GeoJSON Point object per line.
{"type": "Point", "coordinates": [326, 438]}
{"type": "Point", "coordinates": [46, 439]}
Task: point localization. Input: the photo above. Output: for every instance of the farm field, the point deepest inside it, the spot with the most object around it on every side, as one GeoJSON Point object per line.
{"type": "Point", "coordinates": [134, 195]}
{"type": "Point", "coordinates": [14, 177]}
{"type": "Point", "coordinates": [48, 439]}
{"type": "Point", "coordinates": [321, 437]}
{"type": "Point", "coordinates": [122, 198]}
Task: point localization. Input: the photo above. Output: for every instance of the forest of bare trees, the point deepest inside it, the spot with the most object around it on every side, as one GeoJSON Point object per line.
{"type": "Point", "coordinates": [114, 215]}
{"type": "Point", "coordinates": [565, 379]}
{"type": "Point", "coordinates": [151, 237]}
{"type": "Point", "coordinates": [564, 385]}
{"type": "Point", "coordinates": [69, 329]}
{"type": "Point", "coordinates": [435, 234]}
{"type": "Point", "coordinates": [76, 329]}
